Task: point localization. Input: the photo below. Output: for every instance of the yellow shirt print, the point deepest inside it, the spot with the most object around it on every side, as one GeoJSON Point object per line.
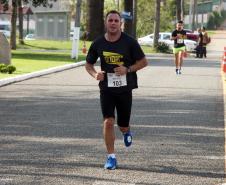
{"type": "Point", "coordinates": [113, 58]}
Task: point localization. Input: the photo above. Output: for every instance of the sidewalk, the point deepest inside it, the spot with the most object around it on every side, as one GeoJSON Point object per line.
{"type": "Point", "coordinates": [218, 42]}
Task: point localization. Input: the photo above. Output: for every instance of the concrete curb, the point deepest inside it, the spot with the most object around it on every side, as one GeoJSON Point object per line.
{"type": "Point", "coordinates": [19, 78]}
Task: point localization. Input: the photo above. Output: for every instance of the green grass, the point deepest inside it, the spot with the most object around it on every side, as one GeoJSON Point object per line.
{"type": "Point", "coordinates": [50, 45]}
{"type": "Point", "coordinates": [30, 57]}
{"type": "Point", "coordinates": [27, 61]}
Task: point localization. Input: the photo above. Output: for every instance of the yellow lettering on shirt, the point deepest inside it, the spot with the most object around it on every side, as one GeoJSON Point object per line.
{"type": "Point", "coordinates": [113, 58]}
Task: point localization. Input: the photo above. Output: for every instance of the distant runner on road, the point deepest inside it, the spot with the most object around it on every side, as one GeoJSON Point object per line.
{"type": "Point", "coordinates": [120, 57]}
{"type": "Point", "coordinates": [178, 35]}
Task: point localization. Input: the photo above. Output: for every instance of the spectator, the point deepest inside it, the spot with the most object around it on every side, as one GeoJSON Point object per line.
{"type": "Point", "coordinates": [205, 40]}
{"type": "Point", "coordinates": [199, 49]}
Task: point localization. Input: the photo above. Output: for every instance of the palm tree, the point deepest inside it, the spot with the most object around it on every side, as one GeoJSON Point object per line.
{"type": "Point", "coordinates": [95, 21]}
{"type": "Point", "coordinates": [13, 24]}
{"type": "Point", "coordinates": [20, 16]}
{"type": "Point", "coordinates": [134, 18]}
{"type": "Point", "coordinates": [156, 22]}
{"type": "Point", "coordinates": [178, 10]}
{"type": "Point", "coordinates": [128, 26]}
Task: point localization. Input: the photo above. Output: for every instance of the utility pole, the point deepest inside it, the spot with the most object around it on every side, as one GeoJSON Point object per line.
{"type": "Point", "coordinates": [75, 42]}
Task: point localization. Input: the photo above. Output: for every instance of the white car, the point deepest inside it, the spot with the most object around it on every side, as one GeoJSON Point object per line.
{"type": "Point", "coordinates": [5, 28]}
{"type": "Point", "coordinates": [165, 37]}
{"type": "Point", "coordinates": [30, 36]}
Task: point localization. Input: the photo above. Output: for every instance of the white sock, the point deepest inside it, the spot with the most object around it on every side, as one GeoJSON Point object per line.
{"type": "Point", "coordinates": [111, 155]}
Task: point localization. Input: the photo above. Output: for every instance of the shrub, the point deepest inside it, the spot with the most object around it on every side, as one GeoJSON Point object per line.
{"type": "Point", "coordinates": [1, 66]}
{"type": "Point", "coordinates": [11, 69]}
{"type": "Point", "coordinates": [162, 47]}
{"type": "Point", "coordinates": [4, 69]}
{"type": "Point", "coordinates": [7, 68]}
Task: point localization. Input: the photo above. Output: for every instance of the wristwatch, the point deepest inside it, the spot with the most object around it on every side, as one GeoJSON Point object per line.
{"type": "Point", "coordinates": [128, 70]}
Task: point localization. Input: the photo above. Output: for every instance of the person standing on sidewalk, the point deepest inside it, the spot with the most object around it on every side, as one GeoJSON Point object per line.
{"type": "Point", "coordinates": [206, 40]}
{"type": "Point", "coordinates": [120, 57]}
{"type": "Point", "coordinates": [199, 48]}
{"type": "Point", "coordinates": [178, 35]}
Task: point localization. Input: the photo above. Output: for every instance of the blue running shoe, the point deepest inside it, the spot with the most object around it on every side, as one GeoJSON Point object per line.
{"type": "Point", "coordinates": [178, 71]}
{"type": "Point", "coordinates": [127, 138]}
{"type": "Point", "coordinates": [111, 163]}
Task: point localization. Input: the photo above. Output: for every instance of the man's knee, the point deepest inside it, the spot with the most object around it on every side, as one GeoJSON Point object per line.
{"type": "Point", "coordinates": [109, 122]}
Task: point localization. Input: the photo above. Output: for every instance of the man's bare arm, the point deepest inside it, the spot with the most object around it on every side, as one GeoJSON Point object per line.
{"type": "Point", "coordinates": [92, 71]}
{"type": "Point", "coordinates": [140, 64]}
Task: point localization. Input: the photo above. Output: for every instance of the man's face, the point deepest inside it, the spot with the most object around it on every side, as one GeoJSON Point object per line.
{"type": "Point", "coordinates": [113, 23]}
{"type": "Point", "coordinates": [179, 26]}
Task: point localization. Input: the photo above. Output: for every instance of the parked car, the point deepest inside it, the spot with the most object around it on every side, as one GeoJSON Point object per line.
{"type": "Point", "coordinates": [192, 35]}
{"type": "Point", "coordinates": [30, 37]}
{"type": "Point", "coordinates": [165, 38]}
{"type": "Point", "coordinates": [5, 28]}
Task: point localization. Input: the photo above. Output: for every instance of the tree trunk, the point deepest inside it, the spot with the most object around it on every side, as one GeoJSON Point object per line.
{"type": "Point", "coordinates": [134, 18]}
{"type": "Point", "coordinates": [156, 22]}
{"type": "Point", "coordinates": [20, 16]}
{"type": "Point", "coordinates": [190, 13]}
{"type": "Point", "coordinates": [194, 14]}
{"type": "Point", "coordinates": [13, 25]}
{"type": "Point", "coordinates": [128, 26]}
{"type": "Point", "coordinates": [182, 9]}
{"type": "Point", "coordinates": [178, 10]}
{"type": "Point", "coordinates": [95, 22]}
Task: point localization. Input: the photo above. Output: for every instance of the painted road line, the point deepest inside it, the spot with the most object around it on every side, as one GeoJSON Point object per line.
{"type": "Point", "coordinates": [110, 183]}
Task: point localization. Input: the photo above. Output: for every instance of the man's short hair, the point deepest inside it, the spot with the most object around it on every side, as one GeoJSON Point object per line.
{"type": "Point", "coordinates": [113, 12]}
{"type": "Point", "coordinates": [181, 22]}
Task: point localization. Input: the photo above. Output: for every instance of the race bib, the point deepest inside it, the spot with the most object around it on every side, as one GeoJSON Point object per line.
{"type": "Point", "coordinates": [116, 81]}
{"type": "Point", "coordinates": [180, 41]}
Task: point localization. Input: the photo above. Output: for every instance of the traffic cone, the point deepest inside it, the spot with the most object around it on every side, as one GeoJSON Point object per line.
{"type": "Point", "coordinates": [224, 61]}
{"type": "Point", "coordinates": [84, 48]}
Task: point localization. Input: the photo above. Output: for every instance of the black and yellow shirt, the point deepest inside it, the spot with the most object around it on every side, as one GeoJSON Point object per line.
{"type": "Point", "coordinates": [125, 51]}
{"type": "Point", "coordinates": [179, 42]}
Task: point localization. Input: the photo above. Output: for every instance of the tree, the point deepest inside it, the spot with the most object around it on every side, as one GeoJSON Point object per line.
{"type": "Point", "coordinates": [95, 21]}
{"type": "Point", "coordinates": [194, 15]}
{"type": "Point", "coordinates": [128, 26]}
{"type": "Point", "coordinates": [182, 9]}
{"type": "Point", "coordinates": [156, 23]}
{"type": "Point", "coordinates": [178, 10]}
{"type": "Point", "coordinates": [134, 31]}
{"type": "Point", "coordinates": [15, 5]}
{"type": "Point", "coordinates": [13, 24]}
{"type": "Point", "coordinates": [20, 16]}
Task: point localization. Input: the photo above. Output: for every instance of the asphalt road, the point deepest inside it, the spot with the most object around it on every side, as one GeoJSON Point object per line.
{"type": "Point", "coordinates": [51, 130]}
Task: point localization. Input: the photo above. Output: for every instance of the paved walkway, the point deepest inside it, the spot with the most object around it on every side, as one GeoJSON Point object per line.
{"type": "Point", "coordinates": [216, 47]}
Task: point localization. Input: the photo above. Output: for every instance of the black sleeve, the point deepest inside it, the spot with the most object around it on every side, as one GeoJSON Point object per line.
{"type": "Point", "coordinates": [92, 55]}
{"type": "Point", "coordinates": [137, 52]}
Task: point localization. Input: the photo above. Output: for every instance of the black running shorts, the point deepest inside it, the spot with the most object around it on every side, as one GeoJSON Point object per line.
{"type": "Point", "coordinates": [122, 102]}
